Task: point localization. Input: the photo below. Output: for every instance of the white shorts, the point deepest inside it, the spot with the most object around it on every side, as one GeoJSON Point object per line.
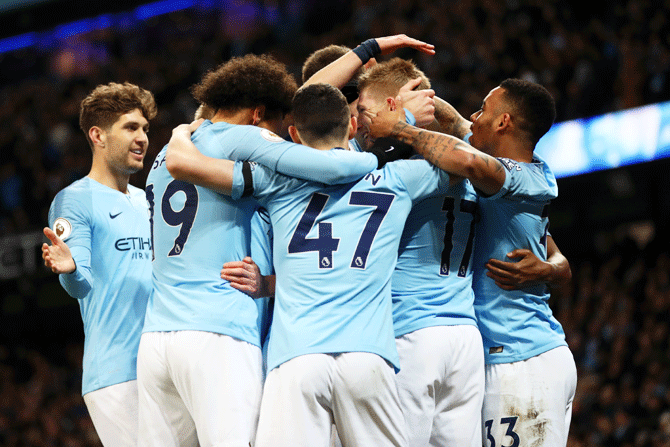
{"type": "Point", "coordinates": [113, 410]}
{"type": "Point", "coordinates": [529, 403]}
{"type": "Point", "coordinates": [441, 385]}
{"type": "Point", "coordinates": [197, 382]}
{"type": "Point", "coordinates": [355, 390]}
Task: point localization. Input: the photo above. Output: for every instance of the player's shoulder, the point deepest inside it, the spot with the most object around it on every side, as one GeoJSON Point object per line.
{"type": "Point", "coordinates": [535, 174]}
{"type": "Point", "coordinates": [222, 127]}
{"type": "Point", "coordinates": [72, 203]}
{"type": "Point", "coordinates": [78, 191]}
{"type": "Point", "coordinates": [537, 167]}
{"type": "Point", "coordinates": [408, 170]}
{"type": "Point", "coordinates": [398, 175]}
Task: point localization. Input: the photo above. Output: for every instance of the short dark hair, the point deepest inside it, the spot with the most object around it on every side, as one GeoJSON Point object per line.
{"type": "Point", "coordinates": [534, 105]}
{"type": "Point", "coordinates": [107, 102]}
{"type": "Point", "coordinates": [320, 113]}
{"type": "Point", "coordinates": [320, 58]}
{"type": "Point", "coordinates": [325, 56]}
{"type": "Point", "coordinates": [248, 81]}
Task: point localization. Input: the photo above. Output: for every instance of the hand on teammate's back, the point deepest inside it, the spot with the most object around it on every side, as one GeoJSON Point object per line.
{"type": "Point", "coordinates": [244, 276]}
{"type": "Point", "coordinates": [528, 271]}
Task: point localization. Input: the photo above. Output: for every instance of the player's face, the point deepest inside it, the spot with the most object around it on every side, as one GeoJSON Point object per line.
{"type": "Point", "coordinates": [126, 143]}
{"type": "Point", "coordinates": [484, 121]}
{"type": "Point", "coordinates": [368, 106]}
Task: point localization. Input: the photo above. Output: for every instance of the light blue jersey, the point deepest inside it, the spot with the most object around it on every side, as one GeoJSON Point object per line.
{"type": "Point", "coordinates": [334, 252]}
{"type": "Point", "coordinates": [109, 237]}
{"type": "Point", "coordinates": [518, 324]}
{"type": "Point", "coordinates": [432, 282]}
{"type": "Point", "coordinates": [197, 230]}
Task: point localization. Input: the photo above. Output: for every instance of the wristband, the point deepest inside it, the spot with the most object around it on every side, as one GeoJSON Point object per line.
{"type": "Point", "coordinates": [367, 50]}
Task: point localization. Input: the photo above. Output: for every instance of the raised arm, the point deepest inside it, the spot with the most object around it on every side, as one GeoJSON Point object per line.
{"type": "Point", "coordinates": [530, 270]}
{"type": "Point", "coordinates": [331, 167]}
{"type": "Point", "coordinates": [343, 69]}
{"type": "Point", "coordinates": [448, 153]}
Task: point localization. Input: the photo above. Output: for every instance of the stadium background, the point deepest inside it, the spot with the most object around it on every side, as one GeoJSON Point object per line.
{"type": "Point", "coordinates": [610, 224]}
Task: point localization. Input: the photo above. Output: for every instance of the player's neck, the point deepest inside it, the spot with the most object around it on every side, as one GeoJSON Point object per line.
{"type": "Point", "coordinates": [328, 145]}
{"type": "Point", "coordinates": [514, 149]}
{"type": "Point", "coordinates": [242, 116]}
{"type": "Point", "coordinates": [105, 176]}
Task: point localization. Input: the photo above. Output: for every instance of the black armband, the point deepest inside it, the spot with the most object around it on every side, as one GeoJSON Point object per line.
{"type": "Point", "coordinates": [367, 50]}
{"type": "Point", "coordinates": [248, 180]}
{"type": "Point", "coordinates": [387, 149]}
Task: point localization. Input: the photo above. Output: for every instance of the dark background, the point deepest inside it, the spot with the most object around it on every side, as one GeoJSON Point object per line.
{"type": "Point", "coordinates": [612, 225]}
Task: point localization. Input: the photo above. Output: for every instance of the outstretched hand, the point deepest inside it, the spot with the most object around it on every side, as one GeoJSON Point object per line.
{"type": "Point", "coordinates": [57, 256]}
{"type": "Point", "coordinates": [244, 276]}
{"type": "Point", "coordinates": [528, 271]}
{"type": "Point", "coordinates": [389, 44]}
{"type": "Point", "coordinates": [421, 103]}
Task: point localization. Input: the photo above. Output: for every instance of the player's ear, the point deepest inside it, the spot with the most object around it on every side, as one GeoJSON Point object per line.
{"type": "Point", "coordinates": [504, 122]}
{"type": "Point", "coordinates": [353, 126]}
{"type": "Point", "coordinates": [293, 132]}
{"type": "Point", "coordinates": [258, 114]}
{"type": "Point", "coordinates": [97, 136]}
{"type": "Point", "coordinates": [390, 102]}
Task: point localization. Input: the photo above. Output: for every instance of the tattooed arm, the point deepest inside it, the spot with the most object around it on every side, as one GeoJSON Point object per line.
{"type": "Point", "coordinates": [444, 151]}
{"type": "Point", "coordinates": [451, 122]}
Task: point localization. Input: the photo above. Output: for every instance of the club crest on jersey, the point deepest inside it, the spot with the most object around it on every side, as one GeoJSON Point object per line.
{"type": "Point", "coordinates": [271, 136]}
{"type": "Point", "coordinates": [509, 164]}
{"type": "Point", "coordinates": [62, 228]}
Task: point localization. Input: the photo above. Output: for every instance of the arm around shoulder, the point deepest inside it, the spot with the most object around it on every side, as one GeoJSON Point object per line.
{"type": "Point", "coordinates": [185, 162]}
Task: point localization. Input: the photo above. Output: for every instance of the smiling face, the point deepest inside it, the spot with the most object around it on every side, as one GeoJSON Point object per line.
{"type": "Point", "coordinates": [486, 121]}
{"type": "Point", "coordinates": [369, 103]}
{"type": "Point", "coordinates": [126, 143]}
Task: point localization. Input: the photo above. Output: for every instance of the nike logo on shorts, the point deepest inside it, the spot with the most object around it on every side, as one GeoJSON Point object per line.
{"type": "Point", "coordinates": [113, 216]}
{"type": "Point", "coordinates": [389, 149]}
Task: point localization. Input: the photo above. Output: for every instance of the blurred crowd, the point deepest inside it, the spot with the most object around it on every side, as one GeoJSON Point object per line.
{"type": "Point", "coordinates": [593, 62]}
{"type": "Point", "coordinates": [617, 322]}
{"type": "Point", "coordinates": [617, 313]}
{"type": "Point", "coordinates": [40, 398]}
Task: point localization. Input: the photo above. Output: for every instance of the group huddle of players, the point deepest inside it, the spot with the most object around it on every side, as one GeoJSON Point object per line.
{"type": "Point", "coordinates": [379, 281]}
